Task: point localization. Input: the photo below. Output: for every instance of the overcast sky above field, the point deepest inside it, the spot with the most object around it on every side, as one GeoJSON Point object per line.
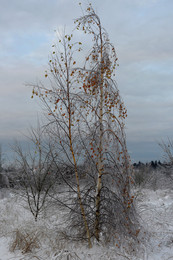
{"type": "Point", "coordinates": [142, 33]}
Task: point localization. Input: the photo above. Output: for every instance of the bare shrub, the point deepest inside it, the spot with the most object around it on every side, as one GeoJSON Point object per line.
{"type": "Point", "coordinates": [143, 175]}
{"type": "Point", "coordinates": [167, 166]}
{"type": "Point", "coordinates": [25, 241]}
{"type": "Point", "coordinates": [167, 148]}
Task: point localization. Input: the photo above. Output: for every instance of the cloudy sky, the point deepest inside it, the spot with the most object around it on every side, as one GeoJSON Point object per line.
{"type": "Point", "coordinates": [141, 31]}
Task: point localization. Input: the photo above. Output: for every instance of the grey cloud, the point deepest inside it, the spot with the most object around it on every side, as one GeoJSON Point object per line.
{"type": "Point", "coordinates": [33, 15]}
{"type": "Point", "coordinates": [142, 34]}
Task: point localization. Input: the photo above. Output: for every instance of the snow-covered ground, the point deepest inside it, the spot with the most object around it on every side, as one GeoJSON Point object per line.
{"type": "Point", "coordinates": [16, 223]}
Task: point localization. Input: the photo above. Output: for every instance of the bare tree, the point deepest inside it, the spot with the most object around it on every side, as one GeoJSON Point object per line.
{"type": "Point", "coordinates": [1, 158]}
{"type": "Point", "coordinates": [37, 173]}
{"type": "Point", "coordinates": [60, 99]}
{"type": "Point", "coordinates": [103, 128]}
{"type": "Point", "coordinates": [86, 119]}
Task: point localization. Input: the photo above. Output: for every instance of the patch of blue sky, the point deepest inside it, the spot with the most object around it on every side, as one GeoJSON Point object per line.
{"type": "Point", "coordinates": [24, 44]}
{"type": "Point", "coordinates": [161, 67]}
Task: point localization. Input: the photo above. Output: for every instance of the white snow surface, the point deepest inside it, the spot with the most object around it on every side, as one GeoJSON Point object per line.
{"type": "Point", "coordinates": [155, 209]}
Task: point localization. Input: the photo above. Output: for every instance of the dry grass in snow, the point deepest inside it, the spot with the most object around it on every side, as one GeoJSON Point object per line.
{"type": "Point", "coordinates": [23, 238]}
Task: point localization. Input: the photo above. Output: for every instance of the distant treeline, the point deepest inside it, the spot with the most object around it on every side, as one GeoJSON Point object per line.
{"type": "Point", "coordinates": [152, 164]}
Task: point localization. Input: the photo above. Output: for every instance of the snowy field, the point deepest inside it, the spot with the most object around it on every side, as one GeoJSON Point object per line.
{"type": "Point", "coordinates": [43, 239]}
